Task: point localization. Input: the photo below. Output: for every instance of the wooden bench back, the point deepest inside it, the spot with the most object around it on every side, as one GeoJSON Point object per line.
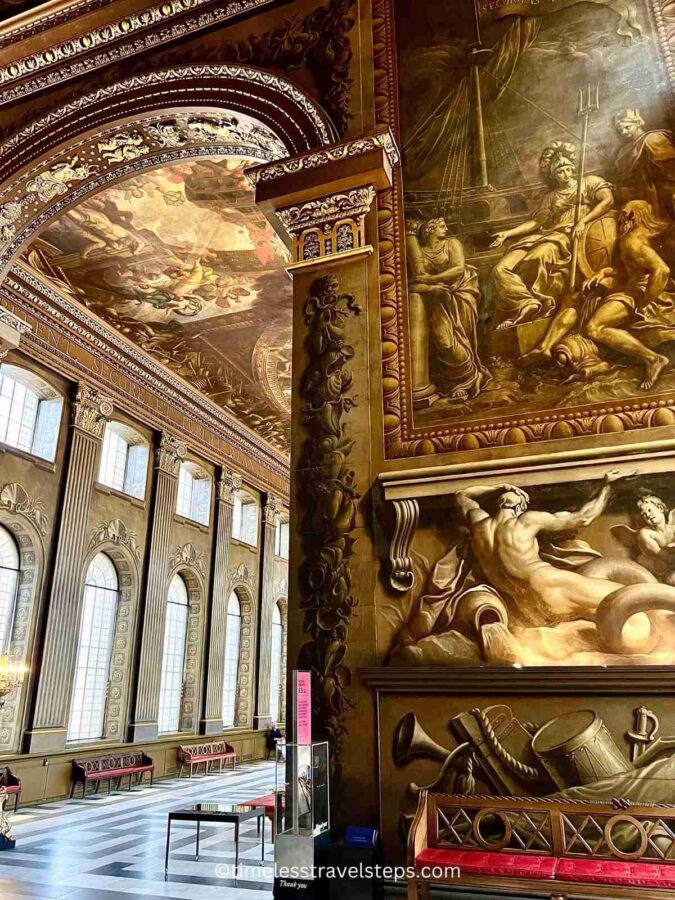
{"type": "Point", "coordinates": [545, 827]}
{"type": "Point", "coordinates": [127, 760]}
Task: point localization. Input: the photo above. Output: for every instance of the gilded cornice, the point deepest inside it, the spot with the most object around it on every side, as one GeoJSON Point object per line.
{"type": "Point", "coordinates": [117, 40]}
{"type": "Point", "coordinates": [352, 204]}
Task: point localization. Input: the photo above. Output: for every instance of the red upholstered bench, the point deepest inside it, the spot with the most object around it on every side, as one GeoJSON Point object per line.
{"type": "Point", "coordinates": [538, 847]}
{"type": "Point", "coordinates": [267, 800]}
{"type": "Point", "coordinates": [115, 765]}
{"type": "Point", "coordinates": [195, 754]}
{"type": "Point", "coordinates": [11, 783]}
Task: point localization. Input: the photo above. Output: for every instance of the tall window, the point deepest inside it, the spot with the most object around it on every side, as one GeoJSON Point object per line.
{"type": "Point", "coordinates": [9, 582]}
{"type": "Point", "coordinates": [94, 652]}
{"type": "Point", "coordinates": [245, 518]}
{"type": "Point", "coordinates": [173, 658]}
{"type": "Point", "coordinates": [30, 412]}
{"type": "Point", "coordinates": [275, 663]}
{"type": "Point", "coordinates": [194, 493]}
{"type": "Point", "coordinates": [124, 460]}
{"type": "Point", "coordinates": [281, 540]}
{"type": "Point", "coordinates": [231, 669]}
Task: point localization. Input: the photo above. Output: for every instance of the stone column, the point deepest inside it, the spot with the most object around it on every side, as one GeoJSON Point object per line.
{"type": "Point", "coordinates": [168, 457]}
{"type": "Point", "coordinates": [212, 721]}
{"type": "Point", "coordinates": [91, 411]}
{"type": "Point", "coordinates": [271, 512]}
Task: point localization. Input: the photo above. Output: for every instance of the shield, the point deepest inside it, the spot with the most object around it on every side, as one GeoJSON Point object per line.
{"type": "Point", "coordinates": [596, 248]}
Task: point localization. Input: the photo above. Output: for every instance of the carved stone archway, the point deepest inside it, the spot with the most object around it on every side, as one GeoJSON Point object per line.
{"type": "Point", "coordinates": [24, 518]}
{"type": "Point", "coordinates": [282, 603]}
{"type": "Point", "coordinates": [243, 708]}
{"type": "Point", "coordinates": [192, 671]}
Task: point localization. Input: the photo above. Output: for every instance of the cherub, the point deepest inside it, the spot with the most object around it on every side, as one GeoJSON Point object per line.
{"type": "Point", "coordinates": [653, 541]}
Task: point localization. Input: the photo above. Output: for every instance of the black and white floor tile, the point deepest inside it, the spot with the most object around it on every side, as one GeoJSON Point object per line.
{"type": "Point", "coordinates": [112, 847]}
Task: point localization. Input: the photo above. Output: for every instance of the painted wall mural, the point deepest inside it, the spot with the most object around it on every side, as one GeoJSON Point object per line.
{"type": "Point", "coordinates": [181, 262]}
{"type": "Point", "coordinates": [557, 573]}
{"type": "Point", "coordinates": [539, 177]}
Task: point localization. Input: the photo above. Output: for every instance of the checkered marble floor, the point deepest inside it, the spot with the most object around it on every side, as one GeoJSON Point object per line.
{"type": "Point", "coordinates": [112, 847]}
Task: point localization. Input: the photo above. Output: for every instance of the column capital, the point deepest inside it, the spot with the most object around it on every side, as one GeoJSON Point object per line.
{"type": "Point", "coordinates": [272, 510]}
{"type": "Point", "coordinates": [91, 410]}
{"type": "Point", "coordinates": [11, 329]}
{"type": "Point", "coordinates": [227, 486]}
{"type": "Point", "coordinates": [170, 454]}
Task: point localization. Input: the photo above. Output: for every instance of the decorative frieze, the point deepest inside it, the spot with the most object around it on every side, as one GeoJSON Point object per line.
{"type": "Point", "coordinates": [227, 486]}
{"type": "Point", "coordinates": [16, 499]}
{"type": "Point", "coordinates": [170, 454]}
{"type": "Point", "coordinates": [188, 555]}
{"type": "Point", "coordinates": [328, 225]}
{"type": "Point", "coordinates": [11, 327]}
{"type": "Point", "coordinates": [91, 410]}
{"type": "Point", "coordinates": [115, 532]}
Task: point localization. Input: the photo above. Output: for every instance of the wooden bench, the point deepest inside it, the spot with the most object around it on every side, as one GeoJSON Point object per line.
{"type": "Point", "coordinates": [11, 783]}
{"type": "Point", "coordinates": [106, 768]}
{"type": "Point", "coordinates": [535, 847]}
{"type": "Point", "coordinates": [216, 751]}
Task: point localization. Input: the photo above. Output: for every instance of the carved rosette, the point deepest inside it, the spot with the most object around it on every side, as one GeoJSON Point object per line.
{"type": "Point", "coordinates": [328, 225]}
{"type": "Point", "coordinates": [329, 505]}
{"type": "Point", "coordinates": [227, 486]}
{"type": "Point", "coordinates": [91, 410]}
{"type": "Point", "coordinates": [170, 454]}
{"type": "Point", "coordinates": [272, 510]}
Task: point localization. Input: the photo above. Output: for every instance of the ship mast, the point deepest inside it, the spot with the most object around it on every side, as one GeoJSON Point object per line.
{"type": "Point", "coordinates": [478, 52]}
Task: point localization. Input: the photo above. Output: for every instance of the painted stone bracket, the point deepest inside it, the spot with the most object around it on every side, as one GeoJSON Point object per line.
{"type": "Point", "coordinates": [401, 576]}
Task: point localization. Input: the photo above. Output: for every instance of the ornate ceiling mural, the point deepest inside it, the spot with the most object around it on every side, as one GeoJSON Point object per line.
{"type": "Point", "coordinates": [180, 261]}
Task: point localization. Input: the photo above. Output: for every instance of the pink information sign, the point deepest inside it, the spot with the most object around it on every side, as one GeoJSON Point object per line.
{"type": "Point", "coordinates": [303, 708]}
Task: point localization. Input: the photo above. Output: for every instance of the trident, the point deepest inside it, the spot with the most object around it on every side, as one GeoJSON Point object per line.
{"type": "Point", "coordinates": [587, 105]}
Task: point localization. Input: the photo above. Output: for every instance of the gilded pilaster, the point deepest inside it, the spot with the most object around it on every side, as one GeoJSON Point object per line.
{"type": "Point", "coordinates": [168, 457]}
{"type": "Point", "coordinates": [227, 485]}
{"type": "Point", "coordinates": [91, 411]}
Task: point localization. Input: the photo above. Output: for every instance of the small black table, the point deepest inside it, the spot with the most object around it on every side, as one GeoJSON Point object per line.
{"type": "Point", "coordinates": [217, 812]}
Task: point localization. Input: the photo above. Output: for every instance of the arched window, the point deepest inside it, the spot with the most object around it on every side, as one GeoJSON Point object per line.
{"type": "Point", "coordinates": [245, 518]}
{"type": "Point", "coordinates": [173, 658]}
{"type": "Point", "coordinates": [281, 537]}
{"type": "Point", "coordinates": [94, 652]}
{"type": "Point", "coordinates": [194, 493]}
{"type": "Point", "coordinates": [231, 668]}
{"type": "Point", "coordinates": [275, 663]}
{"type": "Point", "coordinates": [9, 582]}
{"type": "Point", "coordinates": [124, 460]}
{"type": "Point", "coordinates": [30, 412]}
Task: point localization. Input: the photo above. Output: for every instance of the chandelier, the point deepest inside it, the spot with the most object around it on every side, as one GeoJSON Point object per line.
{"type": "Point", "coordinates": [12, 674]}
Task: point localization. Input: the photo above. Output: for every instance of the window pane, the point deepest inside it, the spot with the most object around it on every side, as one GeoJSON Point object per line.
{"type": "Point", "coordinates": [92, 669]}
{"type": "Point", "coordinates": [231, 670]}
{"type": "Point", "coordinates": [275, 664]}
{"type": "Point", "coordinates": [185, 483]}
{"type": "Point", "coordinates": [113, 460]}
{"type": "Point", "coordinates": [281, 540]}
{"type": "Point", "coordinates": [47, 429]}
{"type": "Point", "coordinates": [137, 469]}
{"type": "Point", "coordinates": [201, 500]}
{"type": "Point", "coordinates": [236, 518]}
{"type": "Point", "coordinates": [9, 582]}
{"type": "Point", "coordinates": [18, 414]}
{"type": "Point", "coordinates": [173, 658]}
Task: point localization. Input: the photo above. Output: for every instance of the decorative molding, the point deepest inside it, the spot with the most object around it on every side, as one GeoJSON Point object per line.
{"type": "Point", "coordinates": [280, 588]}
{"type": "Point", "coordinates": [91, 410]}
{"type": "Point", "coordinates": [503, 681]}
{"type": "Point", "coordinates": [401, 575]}
{"type": "Point", "coordinates": [272, 510]}
{"type": "Point", "coordinates": [16, 499]}
{"type": "Point", "coordinates": [34, 21]}
{"type": "Point", "coordinates": [227, 486]}
{"type": "Point", "coordinates": [170, 454]}
{"type": "Point", "coordinates": [329, 225]}
{"type": "Point", "coordinates": [115, 532]}
{"type": "Point", "coordinates": [11, 329]}
{"type": "Point", "coordinates": [131, 35]}
{"type": "Point", "coordinates": [317, 158]}
{"type": "Point", "coordinates": [69, 319]}
{"type": "Point", "coordinates": [329, 505]}
{"type": "Point", "coordinates": [188, 555]}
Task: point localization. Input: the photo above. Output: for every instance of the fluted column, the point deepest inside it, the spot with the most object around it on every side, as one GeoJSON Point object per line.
{"type": "Point", "coordinates": [50, 720]}
{"type": "Point", "coordinates": [168, 457]}
{"type": "Point", "coordinates": [212, 722]}
{"type": "Point", "coordinates": [271, 513]}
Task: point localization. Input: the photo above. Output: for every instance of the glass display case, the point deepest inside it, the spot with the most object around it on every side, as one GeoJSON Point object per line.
{"type": "Point", "coordinates": [302, 790]}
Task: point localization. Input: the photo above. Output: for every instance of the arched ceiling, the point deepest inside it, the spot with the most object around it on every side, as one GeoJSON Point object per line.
{"type": "Point", "coordinates": [179, 260]}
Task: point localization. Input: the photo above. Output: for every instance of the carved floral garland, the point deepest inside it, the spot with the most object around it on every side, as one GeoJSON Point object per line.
{"type": "Point", "coordinates": [329, 503]}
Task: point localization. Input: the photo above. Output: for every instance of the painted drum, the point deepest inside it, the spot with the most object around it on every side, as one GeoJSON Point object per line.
{"type": "Point", "coordinates": [577, 749]}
